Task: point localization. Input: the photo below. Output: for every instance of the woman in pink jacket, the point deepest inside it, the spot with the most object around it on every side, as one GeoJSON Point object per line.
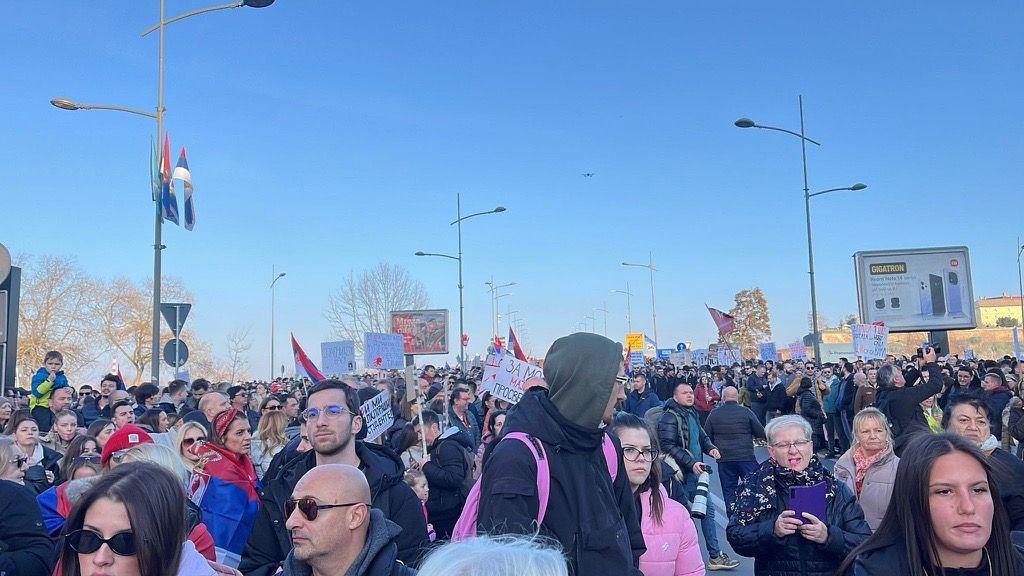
{"type": "Point", "coordinates": [669, 533]}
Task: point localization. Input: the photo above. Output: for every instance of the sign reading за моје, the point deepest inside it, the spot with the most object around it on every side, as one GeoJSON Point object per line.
{"type": "Point", "coordinates": [505, 377]}
{"type": "Point", "coordinates": [916, 290]}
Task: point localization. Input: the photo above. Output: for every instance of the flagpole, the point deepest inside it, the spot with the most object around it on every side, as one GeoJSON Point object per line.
{"type": "Point", "coordinates": [158, 226]}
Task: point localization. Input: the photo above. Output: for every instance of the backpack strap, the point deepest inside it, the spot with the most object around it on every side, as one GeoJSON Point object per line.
{"type": "Point", "coordinates": [611, 456]}
{"type": "Point", "coordinates": [543, 470]}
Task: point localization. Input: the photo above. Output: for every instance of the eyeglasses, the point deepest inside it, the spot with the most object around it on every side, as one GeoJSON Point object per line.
{"type": "Point", "coordinates": [332, 412]}
{"type": "Point", "coordinates": [86, 542]}
{"type": "Point", "coordinates": [800, 444]}
{"type": "Point", "coordinates": [89, 459]}
{"type": "Point", "coordinates": [119, 455]}
{"type": "Point", "coordinates": [634, 454]}
{"type": "Point", "coordinates": [310, 508]}
{"type": "Point", "coordinates": [274, 407]}
{"type": "Point", "coordinates": [187, 442]}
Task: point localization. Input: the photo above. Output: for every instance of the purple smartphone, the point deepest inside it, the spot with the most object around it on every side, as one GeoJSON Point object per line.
{"type": "Point", "coordinates": [810, 499]}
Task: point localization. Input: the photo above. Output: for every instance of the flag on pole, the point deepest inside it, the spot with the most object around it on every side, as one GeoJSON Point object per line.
{"type": "Point", "coordinates": [513, 345]}
{"type": "Point", "coordinates": [304, 364]}
{"type": "Point", "coordinates": [181, 172]}
{"type": "Point", "coordinates": [725, 322]}
{"type": "Point", "coordinates": [169, 210]}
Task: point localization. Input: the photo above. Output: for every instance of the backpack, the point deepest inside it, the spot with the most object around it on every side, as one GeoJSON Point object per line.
{"type": "Point", "coordinates": [653, 416]}
{"type": "Point", "coordinates": [465, 528]}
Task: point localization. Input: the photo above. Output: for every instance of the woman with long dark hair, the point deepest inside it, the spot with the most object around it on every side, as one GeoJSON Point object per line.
{"type": "Point", "coordinates": [670, 535]}
{"type": "Point", "coordinates": [942, 516]}
{"type": "Point", "coordinates": [111, 530]}
{"type": "Point", "coordinates": [101, 429]}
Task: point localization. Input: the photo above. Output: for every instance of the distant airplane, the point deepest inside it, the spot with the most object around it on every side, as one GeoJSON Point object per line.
{"type": "Point", "coordinates": [588, 174]}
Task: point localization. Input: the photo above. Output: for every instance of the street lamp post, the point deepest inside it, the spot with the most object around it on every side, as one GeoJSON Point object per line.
{"type": "Point", "coordinates": [272, 300]}
{"type": "Point", "coordinates": [593, 323]}
{"type": "Point", "coordinates": [158, 115]}
{"type": "Point", "coordinates": [604, 310]}
{"type": "Point", "coordinates": [1020, 282]}
{"type": "Point", "coordinates": [748, 123]}
{"type": "Point", "coordinates": [493, 288]}
{"type": "Point", "coordinates": [654, 309]}
{"type": "Point", "coordinates": [629, 314]}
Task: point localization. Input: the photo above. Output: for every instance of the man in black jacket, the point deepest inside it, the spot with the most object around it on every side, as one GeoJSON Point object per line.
{"type": "Point", "coordinates": [732, 428]}
{"type": "Point", "coordinates": [591, 514]}
{"type": "Point", "coordinates": [757, 386]}
{"type": "Point", "coordinates": [902, 404]}
{"type": "Point", "coordinates": [449, 471]}
{"type": "Point", "coordinates": [333, 421]}
{"type": "Point", "coordinates": [25, 549]}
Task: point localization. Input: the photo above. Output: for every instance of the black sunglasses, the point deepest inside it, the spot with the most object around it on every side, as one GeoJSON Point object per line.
{"type": "Point", "coordinates": [274, 407]}
{"type": "Point", "coordinates": [87, 541]}
{"type": "Point", "coordinates": [89, 459]}
{"type": "Point", "coordinates": [310, 508]}
{"type": "Point", "coordinates": [21, 461]}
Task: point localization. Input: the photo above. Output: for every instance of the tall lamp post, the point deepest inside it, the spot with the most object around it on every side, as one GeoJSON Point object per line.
{"type": "Point", "coordinates": [604, 310]}
{"type": "Point", "coordinates": [748, 123]}
{"type": "Point", "coordinates": [493, 289]}
{"type": "Point", "coordinates": [629, 314]}
{"type": "Point", "coordinates": [654, 310]}
{"type": "Point", "coordinates": [272, 300]}
{"type": "Point", "coordinates": [1020, 282]}
{"type": "Point", "coordinates": [158, 115]}
{"type": "Point", "coordinates": [458, 227]}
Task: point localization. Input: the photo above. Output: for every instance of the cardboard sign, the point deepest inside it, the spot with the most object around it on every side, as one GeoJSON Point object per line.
{"type": "Point", "coordinates": [505, 377]}
{"type": "Point", "coordinates": [729, 356]}
{"type": "Point", "coordinates": [681, 358]}
{"type": "Point", "coordinates": [704, 357]}
{"type": "Point", "coordinates": [664, 353]}
{"type": "Point", "coordinates": [870, 341]}
{"type": "Point", "coordinates": [384, 351]}
{"type": "Point", "coordinates": [635, 341]}
{"type": "Point", "coordinates": [797, 351]}
{"type": "Point", "coordinates": [338, 357]}
{"type": "Point", "coordinates": [636, 359]}
{"type": "Point", "coordinates": [768, 352]}
{"type": "Point", "coordinates": [377, 415]}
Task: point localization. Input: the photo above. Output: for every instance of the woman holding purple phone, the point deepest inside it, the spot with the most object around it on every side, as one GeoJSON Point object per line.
{"type": "Point", "coordinates": [772, 519]}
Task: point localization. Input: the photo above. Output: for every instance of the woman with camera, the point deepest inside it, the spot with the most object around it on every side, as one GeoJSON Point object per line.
{"type": "Point", "coordinates": [771, 518]}
{"type": "Point", "coordinates": [669, 533]}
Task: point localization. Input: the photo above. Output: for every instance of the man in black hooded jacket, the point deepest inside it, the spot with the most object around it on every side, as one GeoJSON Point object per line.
{"type": "Point", "coordinates": [589, 513]}
{"type": "Point", "coordinates": [901, 403]}
{"type": "Point", "coordinates": [333, 421]}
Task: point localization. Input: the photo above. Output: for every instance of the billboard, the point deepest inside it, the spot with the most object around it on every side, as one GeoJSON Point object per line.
{"type": "Point", "coordinates": [423, 331]}
{"type": "Point", "coordinates": [916, 290]}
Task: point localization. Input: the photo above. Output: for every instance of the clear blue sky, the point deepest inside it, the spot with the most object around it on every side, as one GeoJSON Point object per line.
{"type": "Point", "coordinates": [329, 136]}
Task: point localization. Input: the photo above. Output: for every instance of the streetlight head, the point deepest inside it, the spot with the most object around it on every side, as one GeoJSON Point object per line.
{"type": "Point", "coordinates": [744, 123]}
{"type": "Point", "coordinates": [257, 3]}
{"type": "Point", "coordinates": [282, 274]}
{"type": "Point", "coordinates": [421, 254]}
{"type": "Point", "coordinates": [64, 104]}
{"type": "Point", "coordinates": [858, 186]}
{"type": "Point", "coordinates": [498, 209]}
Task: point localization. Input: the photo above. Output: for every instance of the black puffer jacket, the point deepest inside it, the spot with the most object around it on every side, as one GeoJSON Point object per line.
{"type": "Point", "coordinates": [35, 475]}
{"type": "Point", "coordinates": [733, 428]}
{"type": "Point", "coordinates": [795, 555]}
{"type": "Point", "coordinates": [592, 517]}
{"type": "Point", "coordinates": [25, 548]}
{"type": "Point", "coordinates": [674, 435]}
{"type": "Point", "coordinates": [447, 474]}
{"type": "Point", "coordinates": [903, 405]}
{"type": "Point", "coordinates": [892, 560]}
{"type": "Point", "coordinates": [269, 541]}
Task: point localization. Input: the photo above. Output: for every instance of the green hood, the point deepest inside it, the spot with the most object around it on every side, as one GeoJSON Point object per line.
{"type": "Point", "coordinates": [580, 371]}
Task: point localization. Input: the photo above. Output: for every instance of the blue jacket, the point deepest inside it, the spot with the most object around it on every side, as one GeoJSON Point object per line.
{"type": "Point", "coordinates": [835, 395]}
{"type": "Point", "coordinates": [638, 404]}
{"type": "Point", "coordinates": [42, 388]}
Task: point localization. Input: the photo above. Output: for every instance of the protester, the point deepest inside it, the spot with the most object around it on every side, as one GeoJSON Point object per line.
{"type": "Point", "coordinates": [763, 526]}
{"type": "Point", "coordinates": [188, 436]}
{"type": "Point", "coordinates": [997, 396]}
{"type": "Point", "coordinates": [462, 418]}
{"type": "Point", "coordinates": [867, 386]}
{"type": "Point", "coordinates": [268, 440]}
{"type": "Point", "coordinates": [759, 391]}
{"type": "Point", "coordinates": [147, 396]}
{"type": "Point", "coordinates": [585, 379]}
{"type": "Point", "coordinates": [7, 409]}
{"type": "Point", "coordinates": [25, 549]}
{"type": "Point", "coordinates": [507, 555]}
{"type": "Point", "coordinates": [492, 430]}
{"type": "Point", "coordinates": [333, 421]}
{"type": "Point", "coordinates": [43, 462]}
{"type": "Point", "coordinates": [63, 431]}
{"type": "Point", "coordinates": [13, 461]}
{"type": "Point", "coordinates": [335, 530]}
{"type": "Point", "coordinates": [409, 447]}
{"type": "Point", "coordinates": [60, 403]}
{"type": "Point", "coordinates": [705, 400]}
{"type": "Point", "coordinates": [174, 397]}
{"type": "Point", "coordinates": [733, 429]}
{"type": "Point", "coordinates": [113, 531]}
{"type": "Point", "coordinates": [101, 429]}
{"type": "Point", "coordinates": [154, 419]}
{"type": "Point", "coordinates": [669, 534]}
{"type": "Point", "coordinates": [901, 404]}
{"type": "Point", "coordinates": [449, 471]}
{"type": "Point", "coordinates": [641, 398]}
{"type": "Point", "coordinates": [122, 413]}
{"type": "Point", "coordinates": [868, 468]}
{"type": "Point", "coordinates": [943, 517]}
{"type": "Point", "coordinates": [81, 446]}
{"type": "Point", "coordinates": [48, 378]}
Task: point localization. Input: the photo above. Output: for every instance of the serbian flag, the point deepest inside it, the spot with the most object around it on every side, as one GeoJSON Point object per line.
{"type": "Point", "coordinates": [169, 201]}
{"type": "Point", "coordinates": [181, 172]}
{"type": "Point", "coordinates": [513, 345]}
{"type": "Point", "coordinates": [225, 487]}
{"type": "Point", "coordinates": [725, 322]}
{"type": "Point", "coordinates": [303, 363]}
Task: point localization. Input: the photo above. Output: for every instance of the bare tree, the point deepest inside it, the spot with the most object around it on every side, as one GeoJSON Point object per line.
{"type": "Point", "coordinates": [363, 303]}
{"type": "Point", "coordinates": [53, 315]}
{"type": "Point", "coordinates": [238, 344]}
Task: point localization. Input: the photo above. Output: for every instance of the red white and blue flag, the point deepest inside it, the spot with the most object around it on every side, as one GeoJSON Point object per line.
{"type": "Point", "coordinates": [725, 322]}
{"type": "Point", "coordinates": [304, 364]}
{"type": "Point", "coordinates": [513, 345]}
{"type": "Point", "coordinates": [181, 172]}
{"type": "Point", "coordinates": [169, 202]}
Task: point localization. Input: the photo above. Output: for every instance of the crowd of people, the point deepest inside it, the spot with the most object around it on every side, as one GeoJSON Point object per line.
{"type": "Point", "coordinates": [891, 466]}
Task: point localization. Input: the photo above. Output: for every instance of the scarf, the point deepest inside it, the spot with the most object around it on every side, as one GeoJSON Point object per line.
{"type": "Point", "coordinates": [759, 491]}
{"type": "Point", "coordinates": [990, 444]}
{"type": "Point", "coordinates": [862, 462]}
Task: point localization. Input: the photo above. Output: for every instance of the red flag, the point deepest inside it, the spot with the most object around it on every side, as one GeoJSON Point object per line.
{"type": "Point", "coordinates": [725, 322]}
{"type": "Point", "coordinates": [302, 361]}
{"type": "Point", "coordinates": [513, 344]}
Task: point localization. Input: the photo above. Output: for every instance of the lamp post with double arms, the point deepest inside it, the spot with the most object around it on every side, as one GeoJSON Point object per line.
{"type": "Point", "coordinates": [277, 276]}
{"type": "Point", "coordinates": [629, 314]}
{"type": "Point", "coordinates": [654, 309]}
{"type": "Point", "coordinates": [158, 115]}
{"type": "Point", "coordinates": [1020, 282]}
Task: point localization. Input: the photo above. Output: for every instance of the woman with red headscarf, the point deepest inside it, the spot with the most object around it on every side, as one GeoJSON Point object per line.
{"type": "Point", "coordinates": [225, 485]}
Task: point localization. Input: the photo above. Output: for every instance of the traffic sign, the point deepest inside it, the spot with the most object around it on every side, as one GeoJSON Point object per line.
{"type": "Point", "coordinates": [5, 263]}
{"type": "Point", "coordinates": [681, 347]}
{"type": "Point", "coordinates": [175, 314]}
{"type": "Point", "coordinates": [175, 353]}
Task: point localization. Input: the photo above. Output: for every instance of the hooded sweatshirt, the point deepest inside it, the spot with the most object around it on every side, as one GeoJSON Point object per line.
{"type": "Point", "coordinates": [580, 370]}
{"type": "Point", "coordinates": [379, 556]}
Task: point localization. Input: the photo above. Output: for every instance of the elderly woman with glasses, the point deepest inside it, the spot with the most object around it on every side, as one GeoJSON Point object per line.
{"type": "Point", "coordinates": [868, 468]}
{"type": "Point", "coordinates": [764, 523]}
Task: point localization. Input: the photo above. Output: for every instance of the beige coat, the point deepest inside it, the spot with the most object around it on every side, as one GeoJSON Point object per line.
{"type": "Point", "coordinates": [876, 490]}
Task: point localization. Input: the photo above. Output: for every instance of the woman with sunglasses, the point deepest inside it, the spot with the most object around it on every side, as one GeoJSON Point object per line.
{"type": "Point", "coordinates": [188, 435]}
{"type": "Point", "coordinates": [225, 485]}
{"type": "Point", "coordinates": [12, 461]}
{"type": "Point", "coordinates": [24, 546]}
{"type": "Point", "coordinates": [81, 446]}
{"type": "Point", "coordinates": [269, 439]}
{"type": "Point", "coordinates": [669, 533]}
{"type": "Point", "coordinates": [113, 531]}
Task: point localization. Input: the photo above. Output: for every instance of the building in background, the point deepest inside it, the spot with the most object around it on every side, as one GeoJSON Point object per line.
{"type": "Point", "coordinates": [990, 310]}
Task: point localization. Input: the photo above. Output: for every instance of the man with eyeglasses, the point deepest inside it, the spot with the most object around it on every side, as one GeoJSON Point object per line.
{"type": "Point", "coordinates": [733, 428]}
{"type": "Point", "coordinates": [332, 422]}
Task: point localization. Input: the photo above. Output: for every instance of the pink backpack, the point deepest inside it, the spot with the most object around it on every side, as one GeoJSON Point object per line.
{"type": "Point", "coordinates": [465, 528]}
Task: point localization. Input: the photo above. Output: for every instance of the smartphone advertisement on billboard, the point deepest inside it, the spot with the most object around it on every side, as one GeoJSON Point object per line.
{"type": "Point", "coordinates": [423, 331]}
{"type": "Point", "coordinates": [916, 290]}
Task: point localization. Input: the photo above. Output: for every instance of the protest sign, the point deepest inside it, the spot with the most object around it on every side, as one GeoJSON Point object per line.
{"type": "Point", "coordinates": [664, 353]}
{"type": "Point", "coordinates": [384, 351]}
{"type": "Point", "coordinates": [797, 351]}
{"type": "Point", "coordinates": [704, 357]}
{"type": "Point", "coordinates": [636, 359]}
{"type": "Point", "coordinates": [870, 341]}
{"type": "Point", "coordinates": [505, 377]}
{"type": "Point", "coordinates": [680, 358]}
{"type": "Point", "coordinates": [969, 353]}
{"type": "Point", "coordinates": [729, 356]}
{"type": "Point", "coordinates": [635, 341]}
{"type": "Point", "coordinates": [377, 415]}
{"type": "Point", "coordinates": [423, 331]}
{"type": "Point", "coordinates": [768, 351]}
{"type": "Point", "coordinates": [338, 357]}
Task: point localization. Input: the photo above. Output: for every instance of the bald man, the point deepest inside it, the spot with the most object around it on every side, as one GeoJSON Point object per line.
{"type": "Point", "coordinates": [732, 428]}
{"type": "Point", "coordinates": [335, 531]}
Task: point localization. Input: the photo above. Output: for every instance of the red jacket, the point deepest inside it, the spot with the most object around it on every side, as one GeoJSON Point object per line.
{"type": "Point", "coordinates": [705, 398]}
